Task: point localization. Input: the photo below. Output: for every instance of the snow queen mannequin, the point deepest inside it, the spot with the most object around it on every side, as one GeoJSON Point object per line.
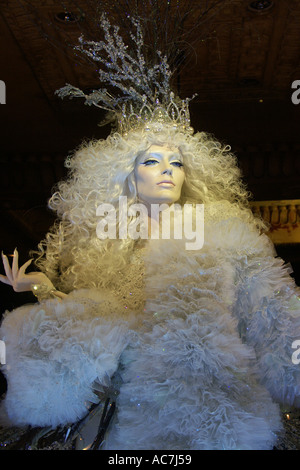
{"type": "Point", "coordinates": [195, 344]}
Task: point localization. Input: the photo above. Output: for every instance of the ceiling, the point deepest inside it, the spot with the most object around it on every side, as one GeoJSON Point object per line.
{"type": "Point", "coordinates": [241, 58]}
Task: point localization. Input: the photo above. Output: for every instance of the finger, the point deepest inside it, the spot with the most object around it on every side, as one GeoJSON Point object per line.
{"type": "Point", "coordinates": [5, 279]}
{"type": "Point", "coordinates": [24, 267]}
{"type": "Point", "coordinates": [60, 295]}
{"type": "Point", "coordinates": [15, 264]}
{"type": "Point", "coordinates": [7, 267]}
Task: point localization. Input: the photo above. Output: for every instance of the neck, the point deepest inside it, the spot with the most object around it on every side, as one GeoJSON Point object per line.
{"type": "Point", "coordinates": [161, 222]}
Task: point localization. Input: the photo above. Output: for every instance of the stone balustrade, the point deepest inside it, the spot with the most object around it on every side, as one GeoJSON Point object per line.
{"type": "Point", "coordinates": [283, 217]}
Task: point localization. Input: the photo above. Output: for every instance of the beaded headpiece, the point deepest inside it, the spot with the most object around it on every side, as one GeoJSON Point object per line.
{"type": "Point", "coordinates": [142, 92]}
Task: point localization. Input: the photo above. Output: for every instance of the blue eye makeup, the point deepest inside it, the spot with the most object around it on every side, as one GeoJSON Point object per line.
{"type": "Point", "coordinates": [179, 164]}
{"type": "Point", "coordinates": [152, 161]}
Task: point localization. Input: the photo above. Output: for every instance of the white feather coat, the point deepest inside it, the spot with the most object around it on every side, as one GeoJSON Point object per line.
{"type": "Point", "coordinates": [207, 367]}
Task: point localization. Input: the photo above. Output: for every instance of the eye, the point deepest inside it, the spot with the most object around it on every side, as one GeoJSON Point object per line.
{"type": "Point", "coordinates": [150, 161]}
{"type": "Point", "coordinates": [177, 163]}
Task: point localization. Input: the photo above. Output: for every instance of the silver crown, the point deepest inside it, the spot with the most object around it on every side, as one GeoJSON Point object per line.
{"type": "Point", "coordinates": [143, 95]}
{"type": "Point", "coordinates": [155, 117]}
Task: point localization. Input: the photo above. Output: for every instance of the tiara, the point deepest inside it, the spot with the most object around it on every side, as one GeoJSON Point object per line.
{"type": "Point", "coordinates": [142, 93]}
{"type": "Point", "coordinates": [155, 117]}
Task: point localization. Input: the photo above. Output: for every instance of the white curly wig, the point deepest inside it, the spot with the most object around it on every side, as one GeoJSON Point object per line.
{"type": "Point", "coordinates": [101, 171]}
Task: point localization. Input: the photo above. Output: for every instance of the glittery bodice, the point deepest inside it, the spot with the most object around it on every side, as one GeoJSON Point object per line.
{"type": "Point", "coordinates": [129, 285]}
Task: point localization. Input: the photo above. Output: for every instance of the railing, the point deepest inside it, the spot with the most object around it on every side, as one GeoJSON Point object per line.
{"type": "Point", "coordinates": [284, 218]}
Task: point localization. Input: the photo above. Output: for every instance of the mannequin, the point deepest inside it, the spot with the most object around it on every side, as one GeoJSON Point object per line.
{"type": "Point", "coordinates": [196, 345]}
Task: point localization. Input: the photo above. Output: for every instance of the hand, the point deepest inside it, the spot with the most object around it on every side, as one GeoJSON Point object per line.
{"type": "Point", "coordinates": [17, 278]}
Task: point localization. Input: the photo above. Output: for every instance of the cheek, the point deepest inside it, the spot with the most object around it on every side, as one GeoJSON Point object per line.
{"type": "Point", "coordinates": [181, 179]}
{"type": "Point", "coordinates": [145, 177]}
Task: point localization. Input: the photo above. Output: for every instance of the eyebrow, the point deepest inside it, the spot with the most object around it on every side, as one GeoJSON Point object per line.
{"type": "Point", "coordinates": [174, 155]}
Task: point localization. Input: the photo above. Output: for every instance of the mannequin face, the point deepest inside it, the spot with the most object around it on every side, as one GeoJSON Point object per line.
{"type": "Point", "coordinates": [159, 175]}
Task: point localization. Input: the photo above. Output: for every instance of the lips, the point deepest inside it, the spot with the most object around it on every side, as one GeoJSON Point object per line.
{"type": "Point", "coordinates": [166, 182]}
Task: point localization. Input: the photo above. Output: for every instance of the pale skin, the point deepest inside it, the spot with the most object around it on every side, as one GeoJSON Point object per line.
{"type": "Point", "coordinates": [22, 282]}
{"type": "Point", "coordinates": [159, 175]}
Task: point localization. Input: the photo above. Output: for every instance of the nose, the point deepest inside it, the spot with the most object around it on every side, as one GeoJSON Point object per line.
{"type": "Point", "coordinates": [168, 170]}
